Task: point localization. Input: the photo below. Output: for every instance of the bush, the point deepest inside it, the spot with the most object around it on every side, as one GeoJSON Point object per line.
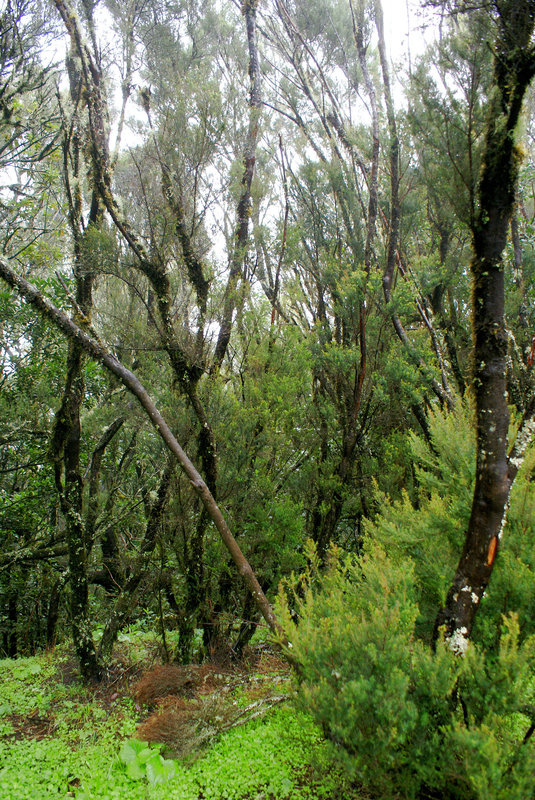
{"type": "Point", "coordinates": [408, 722]}
{"type": "Point", "coordinates": [429, 529]}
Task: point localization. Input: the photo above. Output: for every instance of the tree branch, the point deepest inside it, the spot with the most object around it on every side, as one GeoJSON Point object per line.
{"type": "Point", "coordinates": [33, 296]}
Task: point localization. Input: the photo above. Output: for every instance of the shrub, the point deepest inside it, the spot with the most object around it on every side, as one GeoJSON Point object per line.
{"type": "Point", "coordinates": [408, 722]}
{"type": "Point", "coordinates": [429, 529]}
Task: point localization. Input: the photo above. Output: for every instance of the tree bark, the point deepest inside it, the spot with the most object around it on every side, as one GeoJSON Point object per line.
{"type": "Point", "coordinates": [131, 382]}
{"type": "Point", "coordinates": [514, 66]}
{"type": "Point", "coordinates": [127, 599]}
{"type": "Point", "coordinates": [66, 455]}
{"type": "Point", "coordinates": [244, 203]}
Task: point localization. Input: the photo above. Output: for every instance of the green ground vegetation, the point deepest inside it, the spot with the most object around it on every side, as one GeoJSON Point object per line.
{"type": "Point", "coordinates": [61, 739]}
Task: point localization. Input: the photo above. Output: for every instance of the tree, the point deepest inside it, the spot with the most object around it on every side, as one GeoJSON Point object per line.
{"type": "Point", "coordinates": [514, 68]}
{"type": "Point", "coordinates": [447, 111]}
{"type": "Point", "coordinates": [279, 260]}
{"type": "Point", "coordinates": [98, 352]}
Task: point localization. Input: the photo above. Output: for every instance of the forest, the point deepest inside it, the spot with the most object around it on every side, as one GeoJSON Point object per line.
{"type": "Point", "coordinates": [266, 385]}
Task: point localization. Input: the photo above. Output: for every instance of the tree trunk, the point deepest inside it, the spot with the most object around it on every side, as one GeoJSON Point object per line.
{"type": "Point", "coordinates": [514, 67]}
{"type": "Point", "coordinates": [127, 599]}
{"type": "Point", "coordinates": [52, 614]}
{"type": "Point", "coordinates": [67, 440]}
{"type": "Point", "coordinates": [243, 213]}
{"type": "Point", "coordinates": [133, 385]}
{"type": "Point", "coordinates": [10, 637]}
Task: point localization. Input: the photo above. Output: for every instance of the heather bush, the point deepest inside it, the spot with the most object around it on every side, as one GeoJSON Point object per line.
{"type": "Point", "coordinates": [428, 528]}
{"type": "Point", "coordinates": [406, 721]}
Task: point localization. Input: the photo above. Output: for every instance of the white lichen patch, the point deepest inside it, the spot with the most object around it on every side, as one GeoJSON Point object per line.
{"type": "Point", "coordinates": [336, 674]}
{"type": "Point", "coordinates": [523, 438]}
{"type": "Point", "coordinates": [458, 641]}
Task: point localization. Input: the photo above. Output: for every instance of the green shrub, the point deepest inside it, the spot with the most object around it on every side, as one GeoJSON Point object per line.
{"type": "Point", "coordinates": [408, 722]}
{"type": "Point", "coordinates": [429, 529]}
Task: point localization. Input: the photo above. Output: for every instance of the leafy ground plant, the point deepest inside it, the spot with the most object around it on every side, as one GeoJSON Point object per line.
{"type": "Point", "coordinates": [142, 761]}
{"type": "Point", "coordinates": [60, 739]}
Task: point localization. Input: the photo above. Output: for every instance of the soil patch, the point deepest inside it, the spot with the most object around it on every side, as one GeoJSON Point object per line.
{"type": "Point", "coordinates": [31, 726]}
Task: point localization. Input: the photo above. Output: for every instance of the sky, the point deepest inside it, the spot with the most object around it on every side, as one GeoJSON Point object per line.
{"type": "Point", "coordinates": [396, 25]}
{"type": "Point", "coordinates": [402, 21]}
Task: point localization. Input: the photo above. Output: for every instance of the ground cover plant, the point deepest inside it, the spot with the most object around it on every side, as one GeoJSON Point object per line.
{"type": "Point", "coordinates": [59, 738]}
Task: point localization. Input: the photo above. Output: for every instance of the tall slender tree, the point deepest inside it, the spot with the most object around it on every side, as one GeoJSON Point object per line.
{"type": "Point", "coordinates": [514, 68]}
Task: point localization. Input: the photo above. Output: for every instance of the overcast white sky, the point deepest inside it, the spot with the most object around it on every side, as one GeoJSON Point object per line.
{"type": "Point", "coordinates": [403, 21]}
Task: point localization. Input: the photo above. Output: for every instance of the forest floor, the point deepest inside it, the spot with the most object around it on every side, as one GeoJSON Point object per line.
{"type": "Point", "coordinates": [149, 731]}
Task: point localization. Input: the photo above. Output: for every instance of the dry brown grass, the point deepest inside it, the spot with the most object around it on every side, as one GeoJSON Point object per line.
{"type": "Point", "coordinates": [167, 679]}
{"type": "Point", "coordinates": [186, 726]}
{"type": "Point", "coordinates": [193, 705]}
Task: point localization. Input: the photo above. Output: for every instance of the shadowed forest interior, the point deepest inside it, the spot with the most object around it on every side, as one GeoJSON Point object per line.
{"type": "Point", "coordinates": [266, 388]}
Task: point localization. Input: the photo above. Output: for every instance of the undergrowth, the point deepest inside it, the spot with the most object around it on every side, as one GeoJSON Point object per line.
{"type": "Point", "coordinates": [60, 739]}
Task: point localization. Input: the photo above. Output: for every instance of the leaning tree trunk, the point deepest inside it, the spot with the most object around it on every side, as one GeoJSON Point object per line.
{"type": "Point", "coordinates": [514, 66]}
{"type": "Point", "coordinates": [99, 353]}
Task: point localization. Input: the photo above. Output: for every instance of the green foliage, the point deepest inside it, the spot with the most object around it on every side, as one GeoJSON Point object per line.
{"type": "Point", "coordinates": [429, 528]}
{"type": "Point", "coordinates": [51, 734]}
{"type": "Point", "coordinates": [58, 738]}
{"type": "Point", "coordinates": [410, 722]}
{"type": "Point", "coordinates": [22, 688]}
{"type": "Point", "coordinates": [447, 129]}
{"type": "Point", "coordinates": [141, 761]}
{"type": "Point", "coordinates": [275, 536]}
{"type": "Point", "coordinates": [273, 756]}
{"type": "Point", "coordinates": [512, 588]}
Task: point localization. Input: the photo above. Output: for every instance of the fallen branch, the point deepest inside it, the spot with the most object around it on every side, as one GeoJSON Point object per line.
{"type": "Point", "coordinates": [99, 353]}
